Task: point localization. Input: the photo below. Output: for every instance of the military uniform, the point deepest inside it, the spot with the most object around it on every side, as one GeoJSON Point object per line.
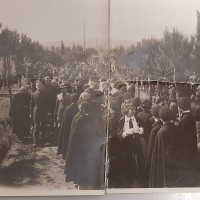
{"type": "Point", "coordinates": [39, 112]}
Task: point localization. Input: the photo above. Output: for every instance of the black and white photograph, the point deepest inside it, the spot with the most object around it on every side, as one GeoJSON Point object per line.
{"type": "Point", "coordinates": [153, 131]}
{"type": "Point", "coordinates": [99, 96]}
{"type": "Point", "coordinates": [54, 64]}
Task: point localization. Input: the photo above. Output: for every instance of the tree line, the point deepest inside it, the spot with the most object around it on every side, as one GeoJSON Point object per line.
{"type": "Point", "coordinates": [20, 51]}
{"type": "Point", "coordinates": [174, 56]}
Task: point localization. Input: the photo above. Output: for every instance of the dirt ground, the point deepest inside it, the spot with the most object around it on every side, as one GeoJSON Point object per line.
{"type": "Point", "coordinates": [30, 167]}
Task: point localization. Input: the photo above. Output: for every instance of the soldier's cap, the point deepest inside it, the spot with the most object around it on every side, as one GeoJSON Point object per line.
{"type": "Point", "coordinates": [146, 104]}
{"type": "Point", "coordinates": [166, 114]}
{"type": "Point", "coordinates": [155, 109]}
{"type": "Point", "coordinates": [184, 103]}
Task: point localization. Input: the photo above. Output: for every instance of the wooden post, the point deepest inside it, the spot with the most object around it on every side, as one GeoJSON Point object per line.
{"type": "Point", "coordinates": [10, 91]}
{"type": "Point", "coordinates": [138, 88]}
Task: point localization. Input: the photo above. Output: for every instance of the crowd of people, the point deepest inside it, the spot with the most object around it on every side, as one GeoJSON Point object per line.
{"type": "Point", "coordinates": [151, 129]}
{"type": "Point", "coordinates": [68, 115]}
{"type": "Point", "coordinates": [153, 139]}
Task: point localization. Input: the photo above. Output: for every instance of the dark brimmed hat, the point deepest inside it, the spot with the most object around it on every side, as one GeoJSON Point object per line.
{"type": "Point", "coordinates": [146, 104]}
{"type": "Point", "coordinates": [155, 110]}
{"type": "Point", "coordinates": [166, 114]}
{"type": "Point", "coordinates": [184, 103]}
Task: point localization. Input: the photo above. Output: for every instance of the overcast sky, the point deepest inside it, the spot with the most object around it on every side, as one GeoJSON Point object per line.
{"type": "Point", "coordinates": [137, 19]}
{"type": "Point", "coordinates": [132, 20]}
{"type": "Point", "coordinates": [55, 20]}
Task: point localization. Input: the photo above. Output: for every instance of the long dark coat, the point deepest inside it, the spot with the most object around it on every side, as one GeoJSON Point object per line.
{"type": "Point", "coordinates": [187, 128]}
{"type": "Point", "coordinates": [113, 148]}
{"type": "Point", "coordinates": [147, 164]}
{"type": "Point", "coordinates": [188, 133]}
{"type": "Point", "coordinates": [65, 128]}
{"type": "Point", "coordinates": [20, 113]}
{"type": "Point", "coordinates": [129, 156]}
{"type": "Point", "coordinates": [85, 157]}
{"type": "Point", "coordinates": [165, 162]}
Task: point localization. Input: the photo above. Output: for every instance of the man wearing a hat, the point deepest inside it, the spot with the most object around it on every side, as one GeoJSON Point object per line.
{"type": "Point", "coordinates": [97, 94]}
{"type": "Point", "coordinates": [63, 100]}
{"type": "Point", "coordinates": [188, 133]}
{"type": "Point", "coordinates": [145, 116]}
{"type": "Point", "coordinates": [20, 113]}
{"type": "Point", "coordinates": [130, 88]}
{"type": "Point", "coordinates": [69, 113]}
{"type": "Point", "coordinates": [165, 162]}
{"type": "Point", "coordinates": [155, 109]}
{"type": "Point", "coordinates": [85, 157]}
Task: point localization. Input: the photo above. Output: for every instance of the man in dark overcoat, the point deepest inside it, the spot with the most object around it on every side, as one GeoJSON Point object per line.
{"type": "Point", "coordinates": [187, 127]}
{"type": "Point", "coordinates": [20, 113]}
{"type": "Point", "coordinates": [65, 128]}
{"type": "Point", "coordinates": [166, 156]}
{"type": "Point", "coordinates": [154, 130]}
{"type": "Point", "coordinates": [146, 118]}
{"type": "Point", "coordinates": [85, 157]}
